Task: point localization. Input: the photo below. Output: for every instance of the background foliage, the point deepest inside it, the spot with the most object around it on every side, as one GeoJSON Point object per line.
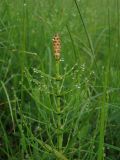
{"type": "Point", "coordinates": [90, 35]}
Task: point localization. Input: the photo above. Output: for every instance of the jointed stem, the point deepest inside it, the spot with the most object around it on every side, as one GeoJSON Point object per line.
{"type": "Point", "coordinates": [59, 133]}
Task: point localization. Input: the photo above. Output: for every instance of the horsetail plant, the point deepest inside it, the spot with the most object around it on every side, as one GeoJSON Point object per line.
{"type": "Point", "coordinates": [55, 147]}
{"type": "Point", "coordinates": [57, 55]}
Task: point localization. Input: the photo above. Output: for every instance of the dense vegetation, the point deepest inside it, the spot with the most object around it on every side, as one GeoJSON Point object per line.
{"type": "Point", "coordinates": [77, 102]}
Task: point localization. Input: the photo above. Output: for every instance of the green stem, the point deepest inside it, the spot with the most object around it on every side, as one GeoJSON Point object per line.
{"type": "Point", "coordinates": [47, 147]}
{"type": "Point", "coordinates": [59, 123]}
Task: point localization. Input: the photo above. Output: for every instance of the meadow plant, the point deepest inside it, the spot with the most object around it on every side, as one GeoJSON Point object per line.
{"type": "Point", "coordinates": [59, 98]}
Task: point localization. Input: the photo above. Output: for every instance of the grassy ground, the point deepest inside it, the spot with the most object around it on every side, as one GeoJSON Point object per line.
{"type": "Point", "coordinates": [82, 106]}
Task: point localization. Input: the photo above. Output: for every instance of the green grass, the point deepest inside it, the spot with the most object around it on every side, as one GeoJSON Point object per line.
{"type": "Point", "coordinates": [83, 121]}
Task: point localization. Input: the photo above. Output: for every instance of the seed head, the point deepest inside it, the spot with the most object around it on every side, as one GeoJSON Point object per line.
{"type": "Point", "coordinates": [57, 47]}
